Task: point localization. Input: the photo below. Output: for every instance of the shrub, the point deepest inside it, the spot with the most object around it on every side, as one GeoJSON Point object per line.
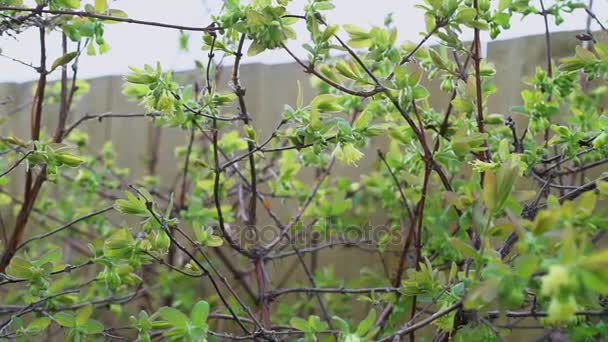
{"type": "Point", "coordinates": [492, 220]}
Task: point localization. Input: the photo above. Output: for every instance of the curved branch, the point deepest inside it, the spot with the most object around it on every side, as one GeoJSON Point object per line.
{"type": "Point", "coordinates": [209, 28]}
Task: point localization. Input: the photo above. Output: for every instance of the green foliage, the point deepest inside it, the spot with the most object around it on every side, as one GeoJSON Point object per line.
{"type": "Point", "coordinates": [484, 215]}
{"type": "Point", "coordinates": [180, 327]}
{"type": "Point", "coordinates": [310, 327]}
{"type": "Point", "coordinates": [79, 324]}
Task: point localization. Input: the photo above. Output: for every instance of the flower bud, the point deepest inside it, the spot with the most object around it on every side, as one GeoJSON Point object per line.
{"type": "Point", "coordinates": [69, 159]}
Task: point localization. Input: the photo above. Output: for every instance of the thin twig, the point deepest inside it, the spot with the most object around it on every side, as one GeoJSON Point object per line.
{"type": "Point", "coordinates": [83, 14]}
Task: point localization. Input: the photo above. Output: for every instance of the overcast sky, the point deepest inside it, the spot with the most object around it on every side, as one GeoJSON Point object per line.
{"type": "Point", "coordinates": [136, 45]}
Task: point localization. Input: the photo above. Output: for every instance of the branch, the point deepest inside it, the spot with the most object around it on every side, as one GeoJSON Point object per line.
{"type": "Point", "coordinates": [316, 248]}
{"type": "Point", "coordinates": [209, 28]}
{"type": "Point", "coordinates": [16, 164]}
{"type": "Point", "coordinates": [339, 290]}
{"type": "Point", "coordinates": [477, 61]}
{"type": "Point", "coordinates": [582, 189]}
{"type": "Point", "coordinates": [396, 181]}
{"type": "Point", "coordinates": [65, 226]}
{"type": "Point", "coordinates": [592, 15]}
{"type": "Point", "coordinates": [410, 328]}
{"type": "Point", "coordinates": [102, 116]}
{"type": "Point", "coordinates": [311, 70]}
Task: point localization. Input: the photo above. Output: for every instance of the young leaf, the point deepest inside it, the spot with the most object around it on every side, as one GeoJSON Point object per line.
{"type": "Point", "coordinates": [63, 60]}
{"type": "Point", "coordinates": [366, 324]}
{"type": "Point", "coordinates": [65, 319]}
{"type": "Point", "coordinates": [83, 314]}
{"type": "Point", "coordinates": [93, 327]}
{"type": "Point", "coordinates": [199, 312]}
{"type": "Point", "coordinates": [174, 317]}
{"type": "Point", "coordinates": [38, 325]}
{"type": "Point", "coordinates": [299, 323]}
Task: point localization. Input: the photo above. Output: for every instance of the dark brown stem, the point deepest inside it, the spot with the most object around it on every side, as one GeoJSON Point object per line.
{"type": "Point", "coordinates": [597, 20]}
{"type": "Point", "coordinates": [420, 219]}
{"type": "Point", "coordinates": [182, 196]}
{"type": "Point", "coordinates": [477, 60]}
{"type": "Point", "coordinates": [17, 163]}
{"type": "Point", "coordinates": [65, 226]}
{"type": "Point", "coordinates": [209, 28]}
{"type": "Point", "coordinates": [413, 327]}
{"type": "Point", "coordinates": [341, 290]}
{"type": "Point", "coordinates": [408, 210]}
{"type": "Point", "coordinates": [102, 116]}
{"type": "Point", "coordinates": [547, 39]}
{"type": "Point", "coordinates": [64, 105]}
{"type": "Point", "coordinates": [32, 187]}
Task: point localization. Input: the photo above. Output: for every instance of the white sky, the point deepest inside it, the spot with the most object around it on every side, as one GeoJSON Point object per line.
{"type": "Point", "coordinates": [136, 45]}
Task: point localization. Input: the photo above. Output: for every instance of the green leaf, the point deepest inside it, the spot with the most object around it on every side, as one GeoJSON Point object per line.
{"type": "Point", "coordinates": [20, 268]}
{"type": "Point", "coordinates": [316, 324]}
{"type": "Point", "coordinates": [91, 49]}
{"type": "Point", "coordinates": [326, 102]}
{"type": "Point", "coordinates": [330, 31]}
{"type": "Point", "coordinates": [132, 205]}
{"type": "Point", "coordinates": [602, 187]}
{"type": "Point", "coordinates": [5, 200]}
{"type": "Point", "coordinates": [342, 324]}
{"type": "Point", "coordinates": [118, 13]}
{"type": "Point", "coordinates": [214, 241]}
{"type": "Point", "coordinates": [255, 48]}
{"type": "Point", "coordinates": [462, 105]}
{"type": "Point", "coordinates": [465, 249]}
{"type": "Point", "coordinates": [63, 60]}
{"type": "Point", "coordinates": [544, 221]}
{"type": "Point", "coordinates": [596, 262]}
{"type": "Point", "coordinates": [65, 319]}
{"type": "Point", "coordinates": [466, 14]}
{"type": "Point", "coordinates": [596, 281]}
{"type": "Point", "coordinates": [73, 4]}
{"type": "Point", "coordinates": [437, 59]}
{"type": "Point", "coordinates": [355, 31]}
{"type": "Point", "coordinates": [365, 325]}
{"type": "Point", "coordinates": [363, 120]}
{"type": "Point", "coordinates": [174, 317]}
{"type": "Point", "coordinates": [300, 100]}
{"type": "Point", "coordinates": [504, 4]}
{"type": "Point", "coordinates": [183, 41]}
{"type": "Point", "coordinates": [92, 327]}
{"type": "Point", "coordinates": [83, 314]}
{"type": "Point", "coordinates": [299, 323]}
{"type": "Point", "coordinates": [584, 54]}
{"type": "Point", "coordinates": [484, 293]}
{"type": "Point", "coordinates": [101, 5]}
{"type": "Point", "coordinates": [38, 325]}
{"type": "Point", "coordinates": [359, 38]}
{"type": "Point", "coordinates": [345, 70]}
{"type": "Point", "coordinates": [571, 64]}
{"type": "Point", "coordinates": [602, 51]}
{"type": "Point", "coordinates": [324, 6]}
{"type": "Point", "coordinates": [199, 313]}
{"type": "Point", "coordinates": [479, 24]}
{"type": "Point", "coordinates": [505, 179]}
{"type": "Point", "coordinates": [420, 92]}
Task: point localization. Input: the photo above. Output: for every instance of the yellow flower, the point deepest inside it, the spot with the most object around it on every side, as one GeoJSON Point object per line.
{"type": "Point", "coordinates": [557, 278]}
{"type": "Point", "coordinates": [560, 311]}
{"type": "Point", "coordinates": [347, 153]}
{"type": "Point", "coordinates": [165, 104]}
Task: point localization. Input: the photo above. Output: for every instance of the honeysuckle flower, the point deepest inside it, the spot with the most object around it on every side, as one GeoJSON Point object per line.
{"type": "Point", "coordinates": [561, 310]}
{"type": "Point", "coordinates": [348, 153]}
{"type": "Point", "coordinates": [555, 280]}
